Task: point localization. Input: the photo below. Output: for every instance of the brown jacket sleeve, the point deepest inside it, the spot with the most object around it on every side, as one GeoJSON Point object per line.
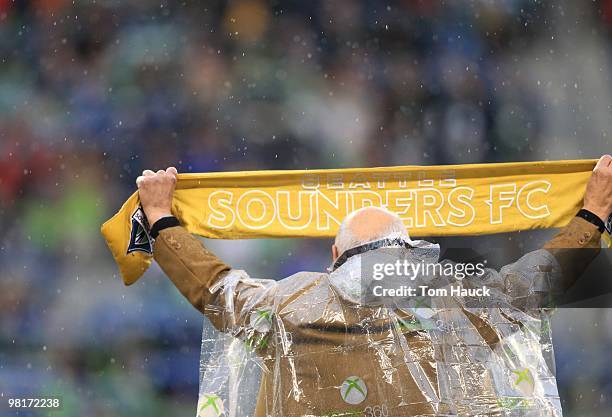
{"type": "Point", "coordinates": [193, 269]}
{"type": "Point", "coordinates": [201, 277]}
{"type": "Point", "coordinates": [574, 247]}
{"type": "Point", "coordinates": [578, 233]}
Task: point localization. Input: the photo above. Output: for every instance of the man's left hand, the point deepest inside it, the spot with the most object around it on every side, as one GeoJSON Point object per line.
{"type": "Point", "coordinates": [598, 195]}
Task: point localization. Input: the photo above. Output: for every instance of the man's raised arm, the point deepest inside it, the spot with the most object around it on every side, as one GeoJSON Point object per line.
{"type": "Point", "coordinates": [577, 244]}
{"type": "Point", "coordinates": [193, 269]}
{"type": "Point", "coordinates": [537, 276]}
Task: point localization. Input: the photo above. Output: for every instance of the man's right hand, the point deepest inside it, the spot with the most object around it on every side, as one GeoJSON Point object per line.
{"type": "Point", "coordinates": [598, 195]}
{"type": "Point", "coordinates": [155, 190]}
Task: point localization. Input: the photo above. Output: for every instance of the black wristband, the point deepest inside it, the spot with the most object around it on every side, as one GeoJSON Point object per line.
{"type": "Point", "coordinates": [163, 223]}
{"type": "Point", "coordinates": [592, 218]}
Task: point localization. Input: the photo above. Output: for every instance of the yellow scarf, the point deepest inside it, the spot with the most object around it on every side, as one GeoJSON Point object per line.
{"type": "Point", "coordinates": [432, 200]}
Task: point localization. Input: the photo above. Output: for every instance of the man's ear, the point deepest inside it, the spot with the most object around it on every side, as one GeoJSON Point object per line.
{"type": "Point", "coordinates": [335, 253]}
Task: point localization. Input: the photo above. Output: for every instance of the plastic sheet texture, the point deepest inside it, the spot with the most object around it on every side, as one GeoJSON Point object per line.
{"type": "Point", "coordinates": [306, 346]}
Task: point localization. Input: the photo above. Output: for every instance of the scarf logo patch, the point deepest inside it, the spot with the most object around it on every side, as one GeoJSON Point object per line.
{"type": "Point", "coordinates": [140, 240]}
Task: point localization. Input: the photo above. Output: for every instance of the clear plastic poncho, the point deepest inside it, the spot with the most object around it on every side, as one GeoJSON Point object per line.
{"type": "Point", "coordinates": [307, 346]}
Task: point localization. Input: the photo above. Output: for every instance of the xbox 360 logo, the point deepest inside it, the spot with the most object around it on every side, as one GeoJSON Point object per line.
{"type": "Point", "coordinates": [210, 405]}
{"type": "Point", "coordinates": [523, 380]}
{"type": "Point", "coordinates": [353, 390]}
{"type": "Point", "coordinates": [261, 320]}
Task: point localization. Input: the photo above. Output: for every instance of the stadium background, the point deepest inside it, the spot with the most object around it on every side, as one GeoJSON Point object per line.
{"type": "Point", "coordinates": [93, 93]}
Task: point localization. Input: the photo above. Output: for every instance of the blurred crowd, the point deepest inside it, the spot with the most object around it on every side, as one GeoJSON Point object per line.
{"type": "Point", "coordinates": [92, 93]}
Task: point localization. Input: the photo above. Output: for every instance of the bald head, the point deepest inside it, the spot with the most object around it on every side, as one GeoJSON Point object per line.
{"type": "Point", "coordinates": [366, 225]}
